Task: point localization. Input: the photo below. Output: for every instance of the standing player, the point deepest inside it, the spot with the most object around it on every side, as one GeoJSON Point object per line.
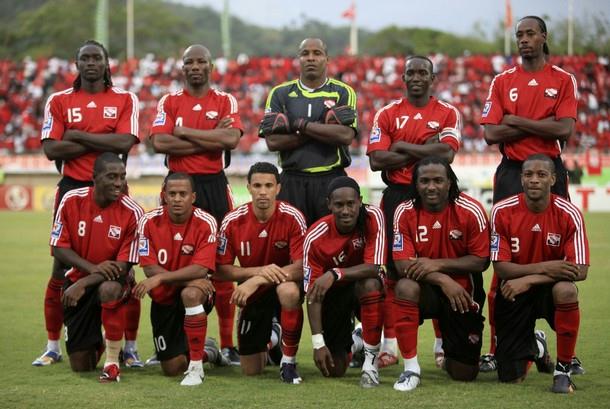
{"type": "Point", "coordinates": [530, 108]}
{"type": "Point", "coordinates": [441, 239]}
{"type": "Point", "coordinates": [343, 263]}
{"type": "Point", "coordinates": [266, 236]}
{"type": "Point", "coordinates": [80, 123]}
{"type": "Point", "coordinates": [95, 233]}
{"type": "Point", "coordinates": [403, 132]}
{"type": "Point", "coordinates": [538, 261]}
{"type": "Point", "coordinates": [196, 127]}
{"type": "Point", "coordinates": [311, 122]}
{"type": "Point", "coordinates": [177, 251]}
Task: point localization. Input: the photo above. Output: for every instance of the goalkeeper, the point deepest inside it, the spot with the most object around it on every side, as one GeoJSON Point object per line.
{"type": "Point", "coordinates": [311, 122]}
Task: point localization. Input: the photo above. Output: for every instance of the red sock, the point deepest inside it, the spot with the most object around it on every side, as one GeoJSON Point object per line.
{"type": "Point", "coordinates": [113, 319]}
{"type": "Point", "coordinates": [437, 329]}
{"type": "Point", "coordinates": [53, 309]}
{"type": "Point", "coordinates": [132, 318]}
{"type": "Point", "coordinates": [371, 316]}
{"type": "Point", "coordinates": [407, 326]}
{"type": "Point", "coordinates": [389, 316]}
{"type": "Point", "coordinates": [491, 307]}
{"type": "Point", "coordinates": [196, 327]}
{"type": "Point", "coordinates": [292, 324]}
{"type": "Point", "coordinates": [567, 321]}
{"type": "Point", "coordinates": [225, 311]}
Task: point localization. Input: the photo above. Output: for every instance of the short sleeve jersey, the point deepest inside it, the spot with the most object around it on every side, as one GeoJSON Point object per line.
{"type": "Point", "coordinates": [402, 121]}
{"type": "Point", "coordinates": [524, 237]}
{"type": "Point", "coordinates": [326, 248]}
{"type": "Point", "coordinates": [112, 111]}
{"type": "Point", "coordinates": [459, 230]}
{"type": "Point", "coordinates": [174, 246]}
{"type": "Point", "coordinates": [94, 233]}
{"type": "Point", "coordinates": [297, 101]}
{"type": "Point", "coordinates": [550, 92]}
{"type": "Point", "coordinates": [204, 113]}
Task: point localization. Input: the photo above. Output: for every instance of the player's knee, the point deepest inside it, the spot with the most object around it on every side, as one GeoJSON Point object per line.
{"type": "Point", "coordinates": [174, 366]}
{"type": "Point", "coordinates": [83, 361]}
{"type": "Point", "coordinates": [109, 291]}
{"type": "Point", "coordinates": [407, 289]}
{"type": "Point", "coordinates": [564, 292]}
{"type": "Point", "coordinates": [459, 371]}
{"type": "Point", "coordinates": [289, 294]}
{"type": "Point", "coordinates": [368, 285]}
{"type": "Point", "coordinates": [191, 296]}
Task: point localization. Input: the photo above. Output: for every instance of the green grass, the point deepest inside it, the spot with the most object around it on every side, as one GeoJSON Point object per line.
{"type": "Point", "coordinates": [25, 271]}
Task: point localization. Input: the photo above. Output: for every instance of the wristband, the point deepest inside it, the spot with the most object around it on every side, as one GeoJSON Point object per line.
{"type": "Point", "coordinates": [317, 341]}
{"type": "Point", "coordinates": [337, 273]}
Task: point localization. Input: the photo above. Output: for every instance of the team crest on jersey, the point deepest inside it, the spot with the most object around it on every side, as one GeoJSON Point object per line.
{"type": "Point", "coordinates": [455, 234]}
{"type": "Point", "coordinates": [433, 125]}
{"type": "Point", "coordinates": [211, 114]}
{"type": "Point", "coordinates": [397, 244]}
{"type": "Point", "coordinates": [553, 239]}
{"type": "Point", "coordinates": [187, 249]}
{"type": "Point", "coordinates": [222, 245]}
{"type": "Point", "coordinates": [114, 232]}
{"type": "Point", "coordinates": [329, 103]}
{"type": "Point", "coordinates": [280, 244]}
{"type": "Point", "coordinates": [159, 119]}
{"type": "Point", "coordinates": [495, 242]}
{"type": "Point", "coordinates": [474, 338]}
{"type": "Point", "coordinates": [110, 112]}
{"type": "Point", "coordinates": [550, 93]}
{"type": "Point", "coordinates": [56, 231]}
{"type": "Point", "coordinates": [143, 247]}
{"type": "Point", "coordinates": [486, 109]}
{"type": "Point", "coordinates": [375, 134]}
{"type": "Point", "coordinates": [358, 243]}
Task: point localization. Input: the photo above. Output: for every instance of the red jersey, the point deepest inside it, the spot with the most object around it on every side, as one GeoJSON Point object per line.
{"type": "Point", "coordinates": [524, 237]}
{"type": "Point", "coordinates": [174, 246]}
{"type": "Point", "coordinates": [326, 248]}
{"type": "Point", "coordinates": [534, 95]}
{"type": "Point", "coordinates": [94, 233]}
{"type": "Point", "coordinates": [112, 111]}
{"type": "Point", "coordinates": [401, 121]}
{"type": "Point", "coordinates": [459, 230]}
{"type": "Point", "coordinates": [182, 109]}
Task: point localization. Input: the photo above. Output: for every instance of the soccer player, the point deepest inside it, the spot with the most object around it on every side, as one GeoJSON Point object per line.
{"type": "Point", "coordinates": [441, 239]}
{"type": "Point", "coordinates": [177, 252]}
{"type": "Point", "coordinates": [530, 108]}
{"type": "Point", "coordinates": [79, 124]}
{"type": "Point", "coordinates": [310, 122]}
{"type": "Point", "coordinates": [196, 127]}
{"type": "Point", "coordinates": [95, 233]}
{"type": "Point", "coordinates": [343, 264]}
{"type": "Point", "coordinates": [538, 260]}
{"type": "Point", "coordinates": [266, 237]}
{"type": "Point", "coordinates": [403, 132]}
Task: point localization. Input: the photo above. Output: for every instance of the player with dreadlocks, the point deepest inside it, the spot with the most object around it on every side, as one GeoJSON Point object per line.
{"type": "Point", "coordinates": [80, 123]}
{"type": "Point", "coordinates": [344, 256]}
{"type": "Point", "coordinates": [441, 242]}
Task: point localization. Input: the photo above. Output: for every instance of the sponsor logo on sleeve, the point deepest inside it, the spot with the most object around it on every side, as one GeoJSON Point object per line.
{"type": "Point", "coordinates": [397, 244]}
{"type": "Point", "coordinates": [486, 109]}
{"type": "Point", "coordinates": [553, 239]}
{"type": "Point", "coordinates": [47, 124]}
{"type": "Point", "coordinates": [56, 231]}
{"type": "Point", "coordinates": [110, 112]}
{"type": "Point", "coordinates": [306, 277]}
{"type": "Point", "coordinates": [143, 247]}
{"type": "Point", "coordinates": [375, 134]}
{"type": "Point", "coordinates": [160, 119]}
{"type": "Point", "coordinates": [222, 245]}
{"type": "Point", "coordinates": [495, 242]}
{"type": "Point", "coordinates": [114, 232]}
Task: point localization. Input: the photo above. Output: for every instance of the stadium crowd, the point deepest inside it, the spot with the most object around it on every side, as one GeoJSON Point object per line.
{"type": "Point", "coordinates": [462, 81]}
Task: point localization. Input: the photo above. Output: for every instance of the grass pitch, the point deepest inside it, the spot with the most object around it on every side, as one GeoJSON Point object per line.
{"type": "Point", "coordinates": [25, 270]}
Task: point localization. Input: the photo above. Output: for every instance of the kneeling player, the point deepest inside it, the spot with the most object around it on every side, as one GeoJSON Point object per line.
{"type": "Point", "coordinates": [177, 250]}
{"type": "Point", "coordinates": [95, 232]}
{"type": "Point", "coordinates": [539, 249]}
{"type": "Point", "coordinates": [266, 236]}
{"type": "Point", "coordinates": [343, 263]}
{"type": "Point", "coordinates": [441, 248]}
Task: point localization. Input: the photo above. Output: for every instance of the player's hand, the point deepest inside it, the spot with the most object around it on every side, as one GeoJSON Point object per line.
{"type": "Point", "coordinates": [275, 123]}
{"type": "Point", "coordinates": [72, 294]}
{"type": "Point", "coordinates": [317, 291]}
{"type": "Point", "coordinates": [560, 270]}
{"type": "Point", "coordinates": [273, 274]}
{"type": "Point", "coordinates": [342, 115]}
{"type": "Point", "coordinates": [109, 269]}
{"type": "Point", "coordinates": [323, 359]}
{"type": "Point", "coordinates": [205, 285]}
{"type": "Point", "coordinates": [421, 267]}
{"type": "Point", "coordinates": [70, 135]}
{"type": "Point", "coordinates": [144, 286]}
{"type": "Point", "coordinates": [179, 131]}
{"type": "Point", "coordinates": [512, 288]}
{"type": "Point", "coordinates": [458, 297]}
{"type": "Point", "coordinates": [243, 292]}
{"type": "Point", "coordinates": [225, 123]}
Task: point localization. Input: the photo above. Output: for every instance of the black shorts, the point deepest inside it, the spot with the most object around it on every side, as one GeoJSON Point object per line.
{"type": "Point", "coordinates": [339, 308]}
{"type": "Point", "coordinates": [83, 322]}
{"type": "Point", "coordinates": [462, 333]}
{"type": "Point", "coordinates": [66, 184]}
{"type": "Point", "coordinates": [254, 323]}
{"type": "Point", "coordinates": [507, 180]}
{"type": "Point", "coordinates": [307, 192]}
{"type": "Point", "coordinates": [168, 328]}
{"type": "Point", "coordinates": [393, 196]}
{"type": "Point", "coordinates": [515, 324]}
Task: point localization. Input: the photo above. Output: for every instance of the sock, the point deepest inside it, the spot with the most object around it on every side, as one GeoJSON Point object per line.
{"type": "Point", "coordinates": [371, 316]}
{"type": "Point", "coordinates": [411, 364]}
{"type": "Point", "coordinates": [113, 348]}
{"type": "Point", "coordinates": [288, 360]}
{"type": "Point", "coordinates": [113, 320]}
{"type": "Point", "coordinates": [195, 328]}
{"type": "Point", "coordinates": [390, 346]}
{"type": "Point", "coordinates": [130, 346]}
{"type": "Point", "coordinates": [53, 345]}
{"type": "Point", "coordinates": [567, 321]}
{"type": "Point", "coordinates": [358, 343]}
{"type": "Point", "coordinates": [225, 311]}
{"type": "Point", "coordinates": [53, 309]}
{"type": "Point", "coordinates": [561, 368]}
{"type": "Point", "coordinates": [389, 317]}
{"type": "Point", "coordinates": [438, 346]}
{"type": "Point", "coordinates": [132, 319]}
{"type": "Point", "coordinates": [292, 324]}
{"type": "Point", "coordinates": [407, 325]}
{"type": "Point", "coordinates": [371, 352]}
